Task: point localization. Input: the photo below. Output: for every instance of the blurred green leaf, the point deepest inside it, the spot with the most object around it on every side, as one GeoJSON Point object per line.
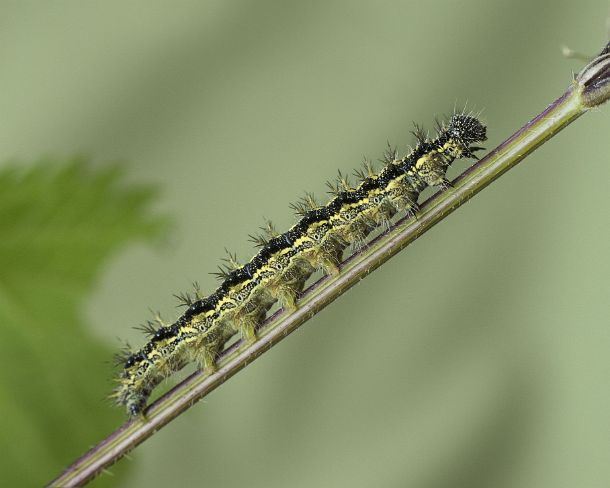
{"type": "Point", "coordinates": [58, 223]}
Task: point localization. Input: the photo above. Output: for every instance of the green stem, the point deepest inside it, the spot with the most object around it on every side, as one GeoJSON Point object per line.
{"type": "Point", "coordinates": [590, 88]}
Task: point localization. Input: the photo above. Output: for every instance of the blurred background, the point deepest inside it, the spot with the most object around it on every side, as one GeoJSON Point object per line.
{"type": "Point", "coordinates": [477, 358]}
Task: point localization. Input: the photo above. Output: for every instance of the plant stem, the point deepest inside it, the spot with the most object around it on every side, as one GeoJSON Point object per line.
{"type": "Point", "coordinates": [590, 88]}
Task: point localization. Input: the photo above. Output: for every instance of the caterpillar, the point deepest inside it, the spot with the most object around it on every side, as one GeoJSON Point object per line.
{"type": "Point", "coordinates": [284, 262]}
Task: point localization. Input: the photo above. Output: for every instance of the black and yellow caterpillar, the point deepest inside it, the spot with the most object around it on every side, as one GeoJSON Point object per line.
{"type": "Point", "coordinates": [279, 270]}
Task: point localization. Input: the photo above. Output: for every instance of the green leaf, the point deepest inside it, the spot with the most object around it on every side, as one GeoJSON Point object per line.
{"type": "Point", "coordinates": [58, 223]}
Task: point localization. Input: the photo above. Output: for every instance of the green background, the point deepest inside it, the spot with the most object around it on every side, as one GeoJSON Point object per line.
{"type": "Point", "coordinates": [478, 357]}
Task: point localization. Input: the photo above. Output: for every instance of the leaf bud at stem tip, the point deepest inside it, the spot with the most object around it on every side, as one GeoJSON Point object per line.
{"type": "Point", "coordinates": [593, 80]}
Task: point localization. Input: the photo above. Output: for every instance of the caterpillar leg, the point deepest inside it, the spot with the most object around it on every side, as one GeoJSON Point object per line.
{"type": "Point", "coordinates": [206, 357]}
{"type": "Point", "coordinates": [445, 184]}
{"type": "Point", "coordinates": [287, 296]}
{"type": "Point", "coordinates": [329, 266]}
{"type": "Point", "coordinates": [328, 258]}
{"type": "Point", "coordinates": [247, 328]}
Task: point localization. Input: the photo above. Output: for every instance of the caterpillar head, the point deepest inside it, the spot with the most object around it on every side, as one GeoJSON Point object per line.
{"type": "Point", "coordinates": [466, 129]}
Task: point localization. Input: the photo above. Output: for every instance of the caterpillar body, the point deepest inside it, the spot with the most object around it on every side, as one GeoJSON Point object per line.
{"type": "Point", "coordinates": [278, 272]}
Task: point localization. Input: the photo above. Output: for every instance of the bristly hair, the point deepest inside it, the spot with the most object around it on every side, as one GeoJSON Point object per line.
{"type": "Point", "coordinates": [148, 328]}
{"type": "Point", "coordinates": [390, 154]}
{"type": "Point", "coordinates": [339, 184]}
{"type": "Point", "coordinates": [259, 240]}
{"type": "Point", "coordinates": [420, 134]}
{"type": "Point", "coordinates": [184, 299]}
{"type": "Point", "coordinates": [365, 171]}
{"type": "Point", "coordinates": [305, 204]}
{"type": "Point", "coordinates": [222, 273]}
{"type": "Point", "coordinates": [121, 356]}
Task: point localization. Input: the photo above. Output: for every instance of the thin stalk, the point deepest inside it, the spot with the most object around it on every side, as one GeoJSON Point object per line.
{"type": "Point", "coordinates": [590, 88]}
